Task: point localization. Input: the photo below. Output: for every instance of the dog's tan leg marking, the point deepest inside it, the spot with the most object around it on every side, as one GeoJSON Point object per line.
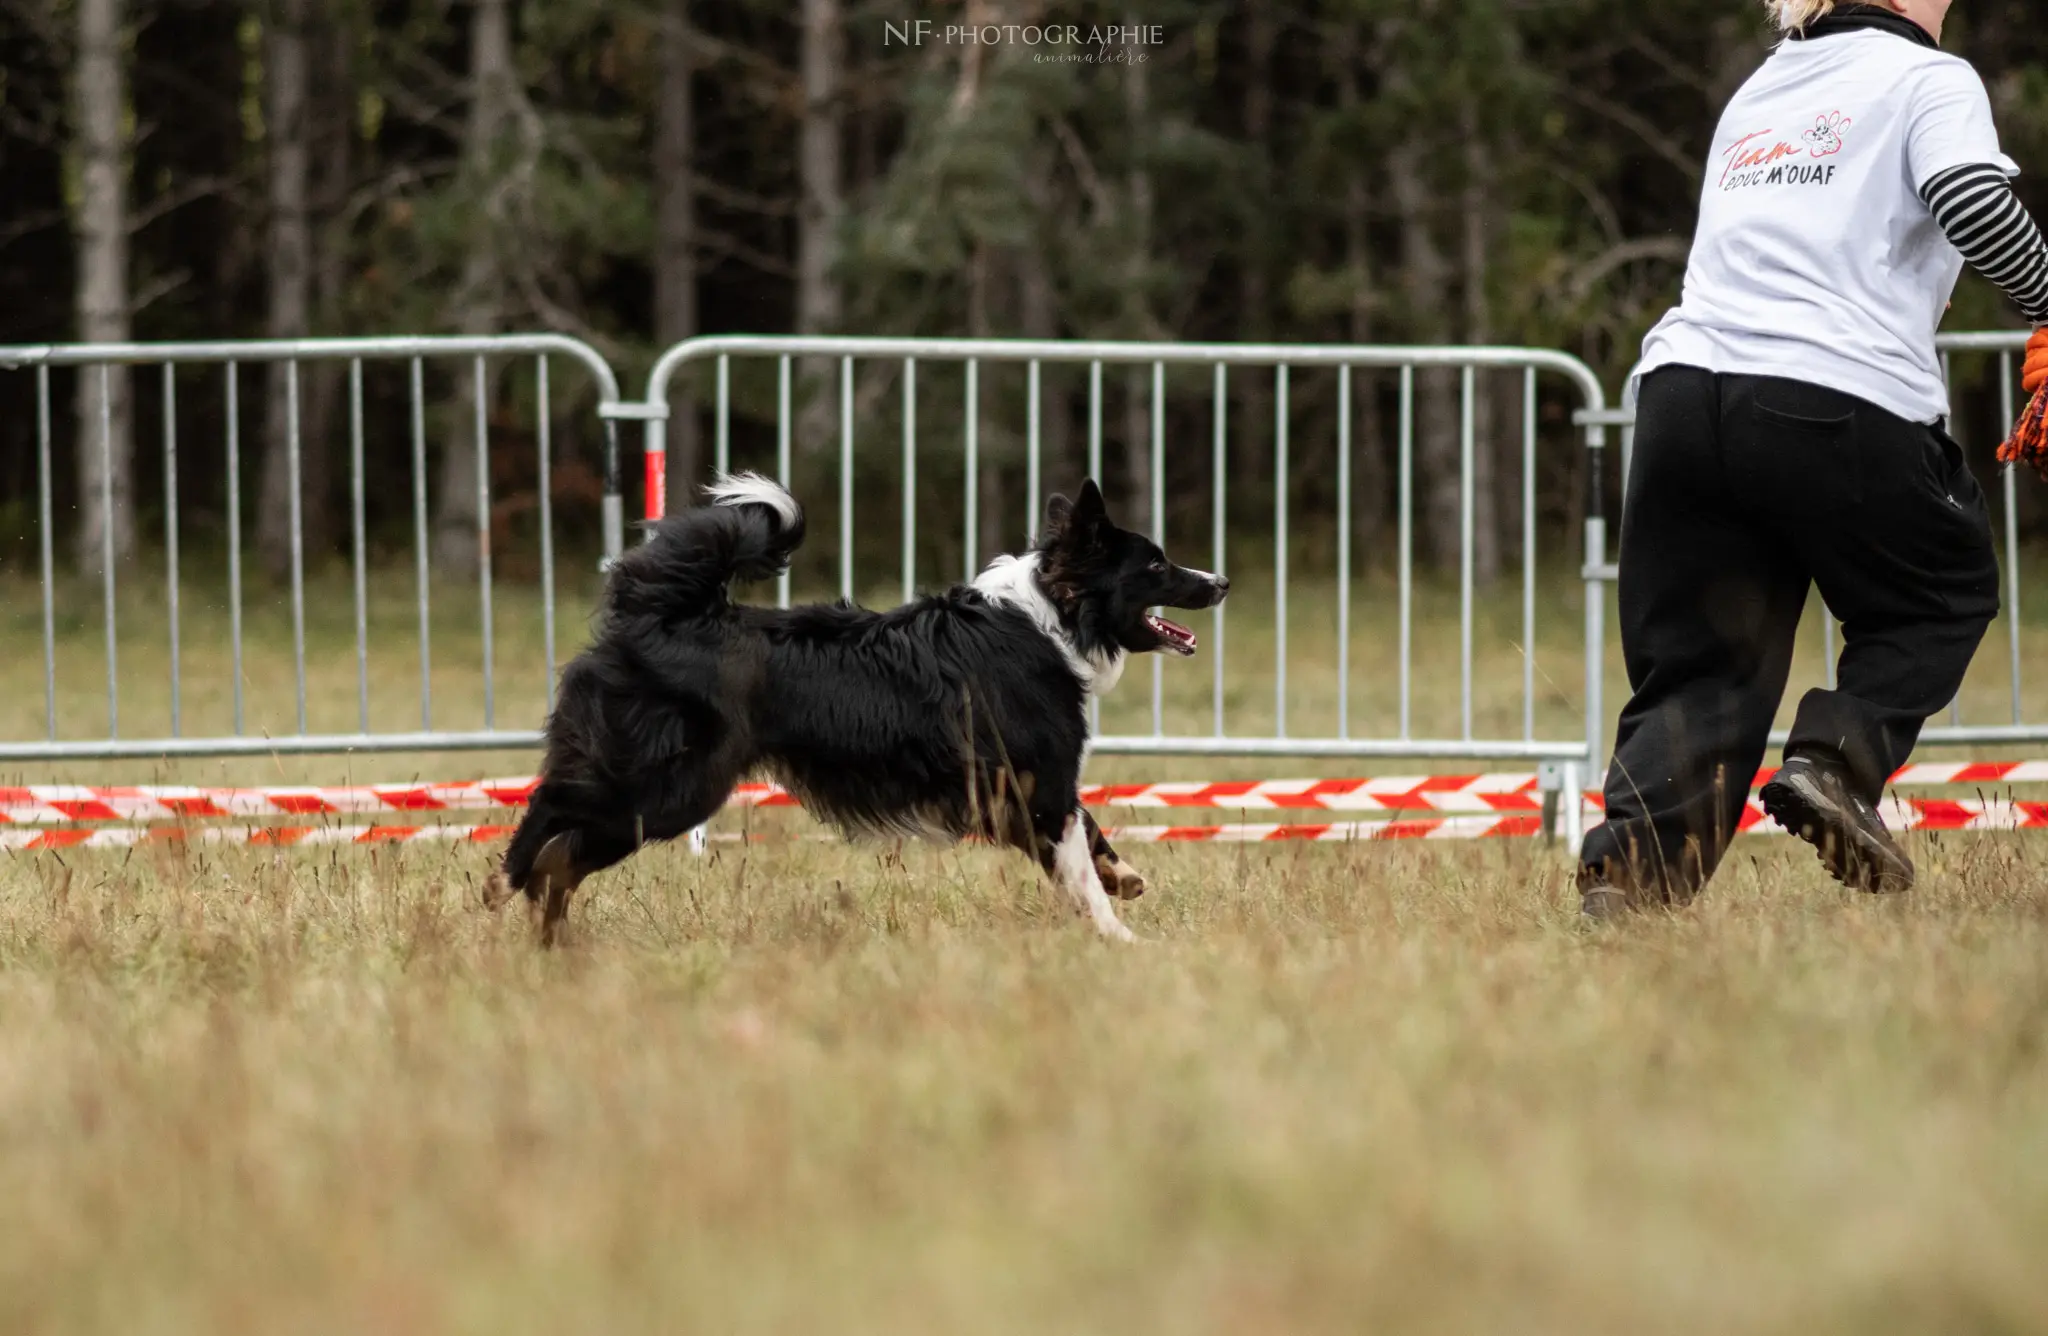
{"type": "Point", "coordinates": [1075, 872]}
{"type": "Point", "coordinates": [553, 871]}
{"type": "Point", "coordinates": [1119, 878]}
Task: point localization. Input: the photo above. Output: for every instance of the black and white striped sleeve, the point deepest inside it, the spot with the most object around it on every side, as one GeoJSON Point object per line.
{"type": "Point", "coordinates": [1977, 208]}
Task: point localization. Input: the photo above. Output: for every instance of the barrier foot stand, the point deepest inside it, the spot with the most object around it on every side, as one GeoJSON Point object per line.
{"type": "Point", "coordinates": [1574, 808]}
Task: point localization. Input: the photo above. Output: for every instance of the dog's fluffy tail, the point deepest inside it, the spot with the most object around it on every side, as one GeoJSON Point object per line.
{"type": "Point", "coordinates": [748, 532]}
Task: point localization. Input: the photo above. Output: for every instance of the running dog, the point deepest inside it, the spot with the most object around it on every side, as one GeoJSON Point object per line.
{"type": "Point", "coordinates": [960, 714]}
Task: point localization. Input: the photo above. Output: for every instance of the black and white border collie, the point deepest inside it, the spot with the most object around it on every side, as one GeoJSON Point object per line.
{"type": "Point", "coordinates": [958, 714]}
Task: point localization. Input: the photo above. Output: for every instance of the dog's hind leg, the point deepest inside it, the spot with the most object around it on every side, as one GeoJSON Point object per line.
{"type": "Point", "coordinates": [1118, 878]}
{"type": "Point", "coordinates": [554, 880]}
{"type": "Point", "coordinates": [1068, 862]}
{"type": "Point", "coordinates": [562, 865]}
{"type": "Point", "coordinates": [542, 822]}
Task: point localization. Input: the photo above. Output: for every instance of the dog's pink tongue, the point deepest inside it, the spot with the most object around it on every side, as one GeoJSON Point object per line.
{"type": "Point", "coordinates": [1177, 637]}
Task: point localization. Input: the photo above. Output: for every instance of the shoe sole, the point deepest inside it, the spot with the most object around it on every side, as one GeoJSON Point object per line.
{"type": "Point", "coordinates": [1852, 854]}
{"type": "Point", "coordinates": [1604, 905]}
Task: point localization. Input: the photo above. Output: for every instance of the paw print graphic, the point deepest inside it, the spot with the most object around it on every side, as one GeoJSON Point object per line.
{"type": "Point", "coordinates": [1826, 134]}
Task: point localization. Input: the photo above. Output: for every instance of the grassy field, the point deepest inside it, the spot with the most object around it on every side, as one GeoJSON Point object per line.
{"type": "Point", "coordinates": [802, 1088]}
{"type": "Point", "coordinates": [1336, 1089]}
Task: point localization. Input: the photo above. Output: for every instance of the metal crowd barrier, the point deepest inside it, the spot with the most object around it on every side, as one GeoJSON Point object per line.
{"type": "Point", "coordinates": [2006, 346]}
{"type": "Point", "coordinates": [231, 356]}
{"type": "Point", "coordinates": [1566, 762]}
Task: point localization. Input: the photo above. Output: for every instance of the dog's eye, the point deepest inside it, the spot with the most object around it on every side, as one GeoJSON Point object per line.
{"type": "Point", "coordinates": [1159, 567]}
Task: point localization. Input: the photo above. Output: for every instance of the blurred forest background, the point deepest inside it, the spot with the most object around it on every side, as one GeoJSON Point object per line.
{"type": "Point", "coordinates": [636, 172]}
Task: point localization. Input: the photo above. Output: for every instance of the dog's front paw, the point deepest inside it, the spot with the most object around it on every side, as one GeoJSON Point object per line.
{"type": "Point", "coordinates": [1119, 878]}
{"type": "Point", "coordinates": [497, 890]}
{"type": "Point", "coordinates": [1112, 929]}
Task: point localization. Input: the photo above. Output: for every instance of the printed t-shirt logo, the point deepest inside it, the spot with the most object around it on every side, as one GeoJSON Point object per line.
{"type": "Point", "coordinates": [1763, 158]}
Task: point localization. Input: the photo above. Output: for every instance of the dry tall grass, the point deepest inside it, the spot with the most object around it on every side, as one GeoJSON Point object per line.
{"type": "Point", "coordinates": [802, 1089]}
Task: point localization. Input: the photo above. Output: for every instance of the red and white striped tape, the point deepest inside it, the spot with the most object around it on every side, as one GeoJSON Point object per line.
{"type": "Point", "coordinates": [51, 804]}
{"type": "Point", "coordinates": [120, 837]}
{"type": "Point", "coordinates": [1505, 794]}
{"type": "Point", "coordinates": [1900, 814]}
{"type": "Point", "coordinates": [116, 837]}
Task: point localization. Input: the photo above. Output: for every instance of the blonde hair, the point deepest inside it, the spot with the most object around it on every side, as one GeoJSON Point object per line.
{"type": "Point", "coordinates": [1794, 15]}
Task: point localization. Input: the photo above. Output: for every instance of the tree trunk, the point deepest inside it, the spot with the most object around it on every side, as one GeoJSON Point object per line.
{"type": "Point", "coordinates": [288, 255]}
{"type": "Point", "coordinates": [675, 241]}
{"type": "Point", "coordinates": [1425, 276]}
{"type": "Point", "coordinates": [330, 114]}
{"type": "Point", "coordinates": [106, 458]}
{"type": "Point", "coordinates": [1252, 450]}
{"type": "Point", "coordinates": [480, 299]}
{"type": "Point", "coordinates": [822, 208]}
{"type": "Point", "coordinates": [1370, 472]}
{"type": "Point", "coordinates": [1486, 470]}
{"type": "Point", "coordinates": [1137, 512]}
{"type": "Point", "coordinates": [1038, 303]}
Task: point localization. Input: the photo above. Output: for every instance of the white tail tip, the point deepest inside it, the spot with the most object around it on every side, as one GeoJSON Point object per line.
{"type": "Point", "coordinates": [751, 489]}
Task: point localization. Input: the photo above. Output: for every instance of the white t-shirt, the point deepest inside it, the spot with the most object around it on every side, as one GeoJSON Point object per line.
{"type": "Point", "coordinates": [1815, 258]}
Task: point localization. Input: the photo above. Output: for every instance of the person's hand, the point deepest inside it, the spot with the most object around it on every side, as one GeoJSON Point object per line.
{"type": "Point", "coordinates": [2035, 373]}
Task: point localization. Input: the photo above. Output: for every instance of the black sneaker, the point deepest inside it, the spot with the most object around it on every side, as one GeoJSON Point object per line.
{"type": "Point", "coordinates": [1812, 800]}
{"type": "Point", "coordinates": [1605, 904]}
{"type": "Point", "coordinates": [1602, 899]}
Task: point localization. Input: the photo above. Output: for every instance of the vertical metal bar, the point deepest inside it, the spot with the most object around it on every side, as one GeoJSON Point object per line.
{"type": "Point", "coordinates": [1406, 592]}
{"type": "Point", "coordinates": [722, 445]}
{"type": "Point", "coordinates": [1593, 557]}
{"type": "Point", "coordinates": [44, 542]}
{"type": "Point", "coordinates": [1095, 422]}
{"type": "Point", "coordinates": [419, 540]}
{"type": "Point", "coordinates": [1955, 705]}
{"type": "Point", "coordinates": [358, 547]}
{"type": "Point", "coordinates": [1220, 407]}
{"type": "Point", "coordinates": [909, 478]}
{"type": "Point", "coordinates": [107, 541]}
{"type": "Point", "coordinates": [483, 533]}
{"type": "Point", "coordinates": [298, 549]}
{"type": "Point", "coordinates": [1529, 555]}
{"type": "Point", "coordinates": [544, 438]}
{"type": "Point", "coordinates": [783, 428]}
{"type": "Point", "coordinates": [612, 501]}
{"type": "Point", "coordinates": [653, 474]}
{"type": "Point", "coordinates": [1468, 437]}
{"type": "Point", "coordinates": [1280, 551]}
{"type": "Point", "coordinates": [2007, 412]}
{"type": "Point", "coordinates": [1158, 526]}
{"type": "Point", "coordinates": [234, 412]}
{"type": "Point", "coordinates": [1827, 642]}
{"type": "Point", "coordinates": [1628, 433]}
{"type": "Point", "coordinates": [973, 413]}
{"type": "Point", "coordinates": [170, 398]}
{"type": "Point", "coordinates": [1031, 461]}
{"type": "Point", "coordinates": [1095, 472]}
{"type": "Point", "coordinates": [1344, 551]}
{"type": "Point", "coordinates": [846, 478]}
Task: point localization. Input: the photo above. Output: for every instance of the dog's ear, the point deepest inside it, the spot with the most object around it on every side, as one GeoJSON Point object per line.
{"type": "Point", "coordinates": [1059, 512]}
{"type": "Point", "coordinates": [1091, 513]}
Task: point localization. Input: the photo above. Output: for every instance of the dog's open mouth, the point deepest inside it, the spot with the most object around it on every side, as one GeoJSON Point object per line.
{"type": "Point", "coordinates": [1172, 635]}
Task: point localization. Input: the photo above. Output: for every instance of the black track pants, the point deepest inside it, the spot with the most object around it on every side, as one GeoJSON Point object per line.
{"type": "Point", "coordinates": [1742, 492]}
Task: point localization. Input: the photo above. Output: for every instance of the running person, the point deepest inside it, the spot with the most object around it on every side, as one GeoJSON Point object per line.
{"type": "Point", "coordinates": [1792, 431]}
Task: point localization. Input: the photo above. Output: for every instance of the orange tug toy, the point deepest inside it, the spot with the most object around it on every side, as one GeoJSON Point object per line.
{"type": "Point", "coordinates": [2029, 441]}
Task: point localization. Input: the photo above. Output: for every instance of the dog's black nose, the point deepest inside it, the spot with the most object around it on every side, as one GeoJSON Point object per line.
{"type": "Point", "coordinates": [1222, 586]}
